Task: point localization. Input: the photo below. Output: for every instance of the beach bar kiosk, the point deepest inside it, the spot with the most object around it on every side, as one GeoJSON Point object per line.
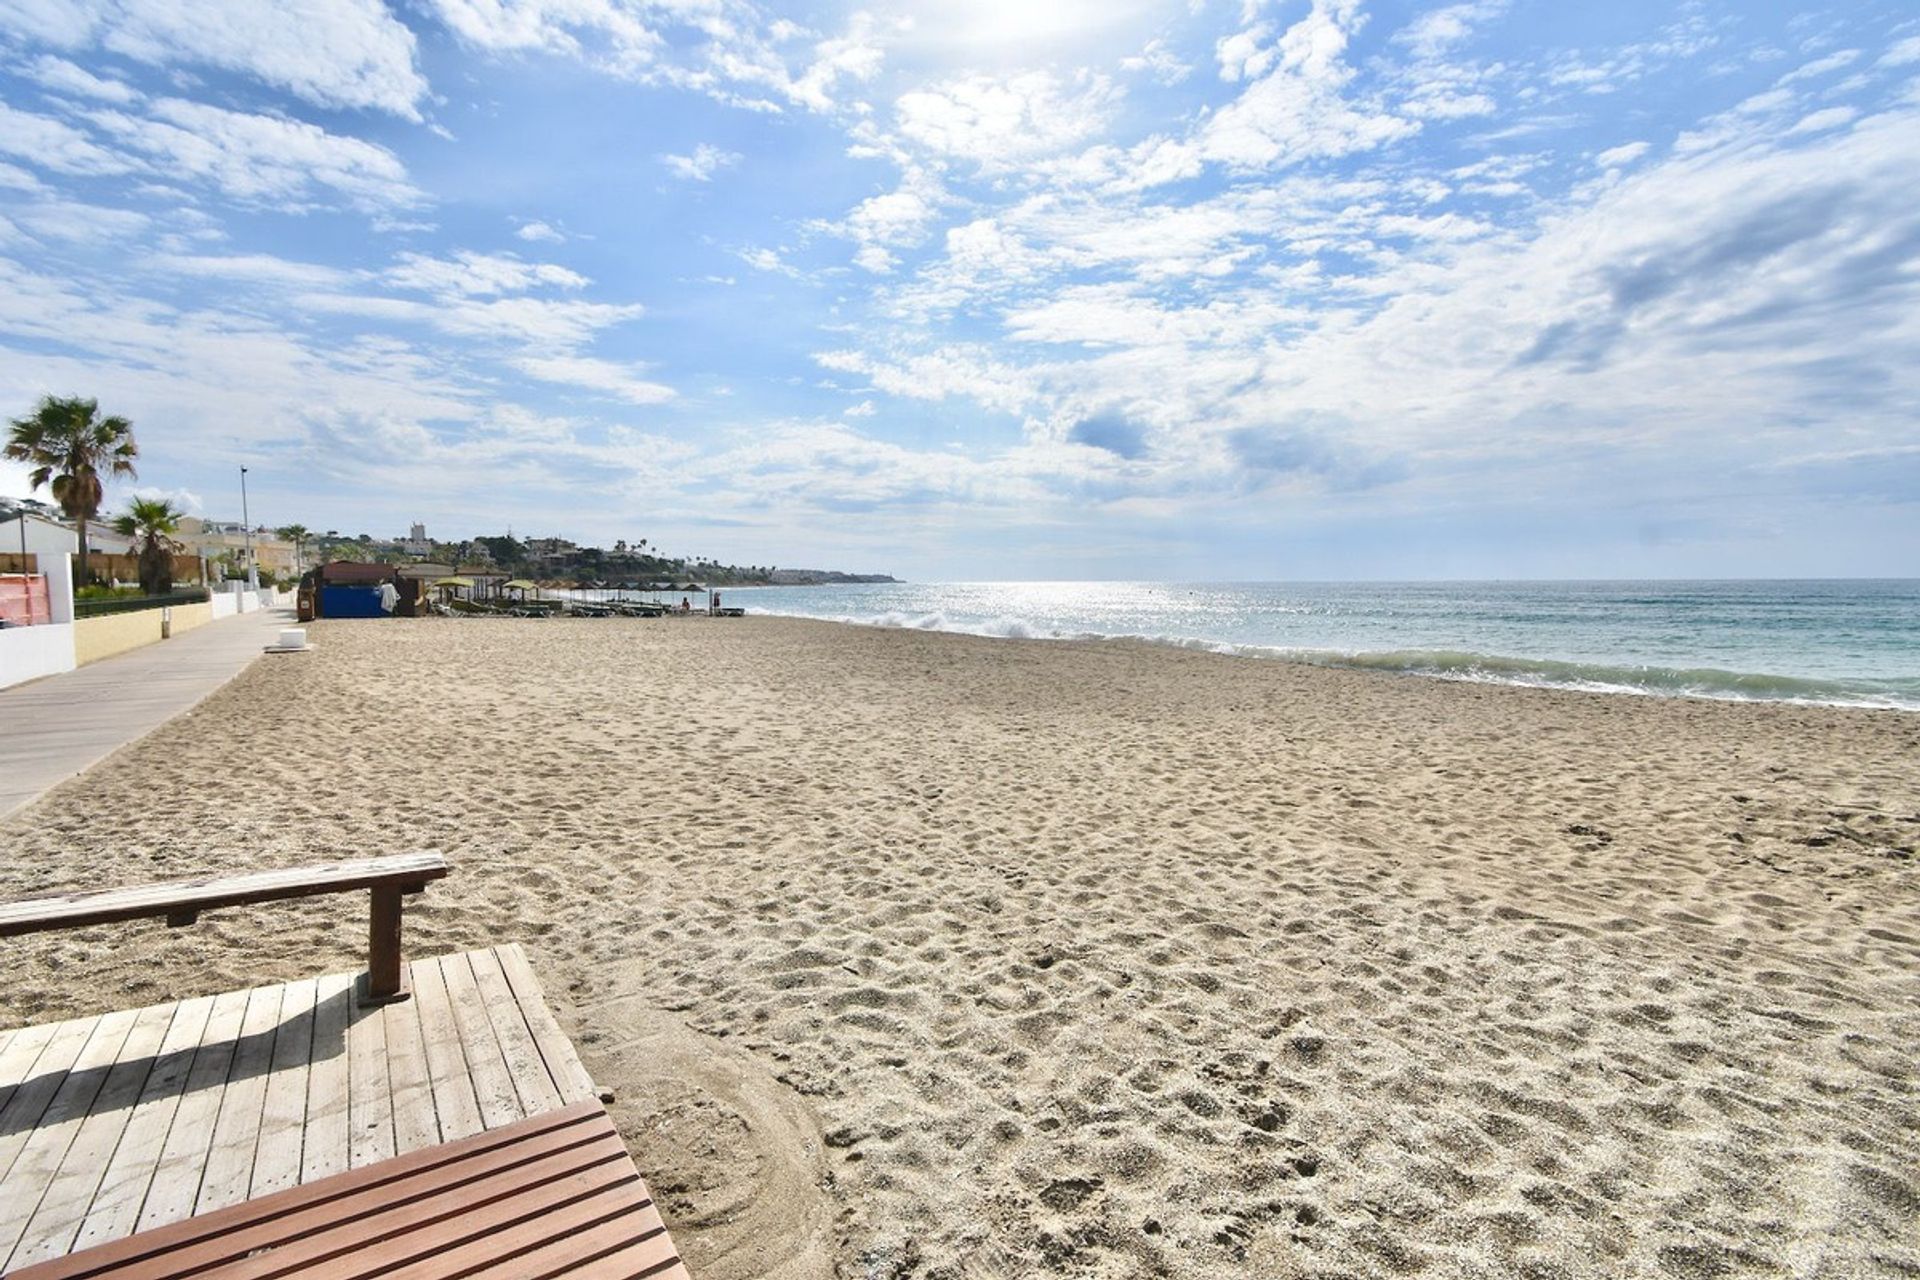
{"type": "Point", "coordinates": [344, 589]}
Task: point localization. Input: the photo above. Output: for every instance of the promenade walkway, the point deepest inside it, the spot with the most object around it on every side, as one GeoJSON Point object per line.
{"type": "Point", "coordinates": [54, 728]}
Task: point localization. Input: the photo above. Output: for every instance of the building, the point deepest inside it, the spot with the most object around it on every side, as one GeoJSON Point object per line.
{"type": "Point", "coordinates": [227, 541]}
{"type": "Point", "coordinates": [44, 536]}
{"type": "Point", "coordinates": [416, 543]}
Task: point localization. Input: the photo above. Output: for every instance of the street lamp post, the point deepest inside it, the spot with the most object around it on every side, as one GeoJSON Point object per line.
{"type": "Point", "coordinates": [246, 521]}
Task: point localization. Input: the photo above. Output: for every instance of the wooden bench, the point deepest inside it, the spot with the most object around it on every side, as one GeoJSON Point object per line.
{"type": "Point", "coordinates": [180, 903]}
{"type": "Point", "coordinates": [552, 1196]}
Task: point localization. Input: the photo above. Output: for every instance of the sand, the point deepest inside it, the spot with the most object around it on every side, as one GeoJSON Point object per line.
{"type": "Point", "coordinates": [921, 955]}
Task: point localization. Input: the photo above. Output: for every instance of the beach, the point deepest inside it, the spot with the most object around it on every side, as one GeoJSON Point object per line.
{"type": "Point", "coordinates": [911, 954]}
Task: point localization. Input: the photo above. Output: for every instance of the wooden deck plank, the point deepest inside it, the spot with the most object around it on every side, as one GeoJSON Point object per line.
{"type": "Point", "coordinates": [236, 1128]}
{"type": "Point", "coordinates": [454, 1100]}
{"type": "Point", "coordinates": [283, 1113]}
{"type": "Point", "coordinates": [634, 1245]}
{"type": "Point", "coordinates": [17, 1058]}
{"type": "Point", "coordinates": [40, 1080]}
{"type": "Point", "coordinates": [369, 1092]}
{"type": "Point", "coordinates": [243, 1229]}
{"type": "Point", "coordinates": [59, 1124]}
{"type": "Point", "coordinates": [525, 1067]}
{"type": "Point", "coordinates": [486, 1062]}
{"type": "Point", "coordinates": [123, 1187]}
{"type": "Point", "coordinates": [324, 1146]}
{"type": "Point", "coordinates": [415, 1121]}
{"type": "Point", "coordinates": [556, 1195]}
{"type": "Point", "coordinates": [183, 1156]}
{"type": "Point", "coordinates": [221, 1100]}
{"type": "Point", "coordinates": [569, 1075]}
{"type": "Point", "coordinates": [71, 1190]}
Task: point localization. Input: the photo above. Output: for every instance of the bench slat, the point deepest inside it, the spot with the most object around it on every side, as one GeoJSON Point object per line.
{"type": "Point", "coordinates": [187, 897]}
{"type": "Point", "coordinates": [554, 1195]}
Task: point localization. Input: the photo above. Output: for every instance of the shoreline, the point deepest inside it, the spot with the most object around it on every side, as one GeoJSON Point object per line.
{"type": "Point", "coordinates": [1452, 666]}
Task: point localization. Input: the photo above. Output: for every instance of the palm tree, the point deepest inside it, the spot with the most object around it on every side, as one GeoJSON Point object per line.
{"type": "Point", "coordinates": [297, 534]}
{"type": "Point", "coordinates": [69, 445]}
{"type": "Point", "coordinates": [154, 521]}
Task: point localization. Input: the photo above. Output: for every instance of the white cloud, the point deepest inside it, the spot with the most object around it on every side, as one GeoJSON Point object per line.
{"type": "Point", "coordinates": [255, 268]}
{"type": "Point", "coordinates": [999, 122]}
{"type": "Point", "coordinates": [1298, 111]}
{"type": "Point", "coordinates": [1625, 153]}
{"type": "Point", "coordinates": [1821, 66]}
{"type": "Point", "coordinates": [603, 376]}
{"type": "Point", "coordinates": [345, 53]}
{"type": "Point", "coordinates": [79, 222]}
{"type": "Point", "coordinates": [1820, 121]}
{"type": "Point", "coordinates": [539, 232]}
{"type": "Point", "coordinates": [55, 145]}
{"type": "Point", "coordinates": [470, 274]}
{"type": "Point", "coordinates": [15, 178]}
{"type": "Point", "coordinates": [1158, 60]}
{"type": "Point", "coordinates": [705, 161]}
{"type": "Point", "coordinates": [260, 159]}
{"type": "Point", "coordinates": [605, 33]}
{"type": "Point", "coordinates": [1903, 54]}
{"type": "Point", "coordinates": [64, 77]}
{"type": "Point", "coordinates": [1438, 30]}
{"type": "Point", "coordinates": [855, 56]}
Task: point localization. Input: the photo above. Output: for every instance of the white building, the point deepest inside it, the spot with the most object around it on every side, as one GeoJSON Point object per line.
{"type": "Point", "coordinates": [416, 543]}
{"type": "Point", "coordinates": [51, 537]}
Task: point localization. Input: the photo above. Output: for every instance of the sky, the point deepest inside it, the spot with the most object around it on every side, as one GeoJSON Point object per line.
{"type": "Point", "coordinates": [987, 289]}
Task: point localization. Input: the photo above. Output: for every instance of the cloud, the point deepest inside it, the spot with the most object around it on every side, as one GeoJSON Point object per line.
{"type": "Point", "coordinates": [705, 161]}
{"type": "Point", "coordinates": [1624, 154]}
{"type": "Point", "coordinates": [996, 122]}
{"type": "Point", "coordinates": [55, 145]}
{"type": "Point", "coordinates": [1439, 30]}
{"type": "Point", "coordinates": [1159, 61]}
{"type": "Point", "coordinates": [1298, 110]}
{"type": "Point", "coordinates": [609, 31]}
{"type": "Point", "coordinates": [79, 222]}
{"type": "Point", "coordinates": [255, 268]}
{"type": "Point", "coordinates": [62, 76]}
{"type": "Point", "coordinates": [1821, 66]}
{"type": "Point", "coordinates": [539, 232]}
{"type": "Point", "coordinates": [470, 274]}
{"type": "Point", "coordinates": [346, 53]}
{"type": "Point", "coordinates": [603, 376]}
{"type": "Point", "coordinates": [263, 160]}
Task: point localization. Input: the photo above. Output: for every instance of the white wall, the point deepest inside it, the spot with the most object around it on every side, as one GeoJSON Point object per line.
{"type": "Point", "coordinates": [27, 653]}
{"type": "Point", "coordinates": [225, 604]}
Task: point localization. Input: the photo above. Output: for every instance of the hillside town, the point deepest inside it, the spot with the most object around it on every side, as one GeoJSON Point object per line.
{"type": "Point", "coordinates": [281, 554]}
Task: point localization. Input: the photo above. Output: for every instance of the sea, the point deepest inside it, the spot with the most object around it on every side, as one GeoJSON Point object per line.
{"type": "Point", "coordinates": [1843, 642]}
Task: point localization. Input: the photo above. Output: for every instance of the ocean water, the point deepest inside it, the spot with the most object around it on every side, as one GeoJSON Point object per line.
{"type": "Point", "coordinates": [1843, 642]}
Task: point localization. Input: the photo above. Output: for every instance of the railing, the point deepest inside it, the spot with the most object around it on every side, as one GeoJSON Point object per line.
{"type": "Point", "coordinates": [134, 604]}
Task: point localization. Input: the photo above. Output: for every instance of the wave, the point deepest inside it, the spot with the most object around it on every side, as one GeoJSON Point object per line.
{"type": "Point", "coordinates": [1456, 664]}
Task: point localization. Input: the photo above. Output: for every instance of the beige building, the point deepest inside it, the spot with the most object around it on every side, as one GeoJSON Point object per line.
{"type": "Point", "coordinates": [217, 538]}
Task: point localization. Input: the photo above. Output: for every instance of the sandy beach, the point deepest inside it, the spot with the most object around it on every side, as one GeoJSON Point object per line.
{"type": "Point", "coordinates": [923, 955]}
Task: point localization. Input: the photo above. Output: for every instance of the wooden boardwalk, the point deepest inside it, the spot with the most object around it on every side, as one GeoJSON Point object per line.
{"type": "Point", "coordinates": [137, 1118]}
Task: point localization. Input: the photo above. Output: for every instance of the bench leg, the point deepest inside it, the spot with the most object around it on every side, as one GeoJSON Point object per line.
{"type": "Point", "coordinates": [386, 976]}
